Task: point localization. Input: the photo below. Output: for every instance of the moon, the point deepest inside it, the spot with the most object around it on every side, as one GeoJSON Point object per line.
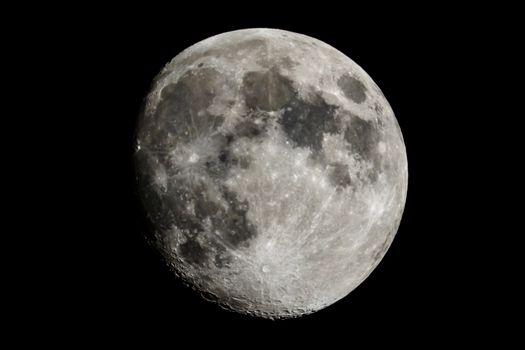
{"type": "Point", "coordinates": [272, 169]}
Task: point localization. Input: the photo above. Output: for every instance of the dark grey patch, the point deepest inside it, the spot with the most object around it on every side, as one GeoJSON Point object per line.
{"type": "Point", "coordinates": [339, 175]}
{"type": "Point", "coordinates": [243, 162]}
{"type": "Point", "coordinates": [248, 128]}
{"type": "Point", "coordinates": [223, 157]}
{"type": "Point", "coordinates": [222, 258]}
{"type": "Point", "coordinates": [177, 200]}
{"type": "Point", "coordinates": [233, 224]}
{"type": "Point", "coordinates": [362, 136]}
{"type": "Point", "coordinates": [229, 225]}
{"type": "Point", "coordinates": [190, 225]}
{"type": "Point", "coordinates": [219, 165]}
{"type": "Point", "coordinates": [181, 113]}
{"type": "Point", "coordinates": [225, 160]}
{"type": "Point", "coordinates": [191, 93]}
{"type": "Point", "coordinates": [181, 116]}
{"type": "Point", "coordinates": [193, 252]}
{"type": "Point", "coordinates": [287, 62]}
{"type": "Point", "coordinates": [373, 174]}
{"type": "Point", "coordinates": [204, 207]}
{"type": "Point", "coordinates": [200, 64]}
{"type": "Point", "coordinates": [267, 91]}
{"type": "Point", "coordinates": [304, 122]}
{"type": "Point", "coordinates": [352, 88]}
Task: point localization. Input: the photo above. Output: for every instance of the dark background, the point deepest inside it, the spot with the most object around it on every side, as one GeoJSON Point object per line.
{"type": "Point", "coordinates": [105, 281]}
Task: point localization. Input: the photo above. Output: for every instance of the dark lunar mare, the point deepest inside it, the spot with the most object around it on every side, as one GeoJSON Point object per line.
{"type": "Point", "coordinates": [181, 116]}
{"type": "Point", "coordinates": [266, 90]}
{"type": "Point", "coordinates": [230, 226]}
{"type": "Point", "coordinates": [305, 122]}
{"type": "Point", "coordinates": [362, 136]}
{"type": "Point", "coordinates": [352, 88]}
{"type": "Point", "coordinates": [339, 175]}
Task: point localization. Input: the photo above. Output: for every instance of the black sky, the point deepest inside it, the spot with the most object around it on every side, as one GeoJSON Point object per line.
{"type": "Point", "coordinates": [105, 280]}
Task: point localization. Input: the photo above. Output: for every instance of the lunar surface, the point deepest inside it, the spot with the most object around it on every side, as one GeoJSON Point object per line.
{"type": "Point", "coordinates": [272, 169]}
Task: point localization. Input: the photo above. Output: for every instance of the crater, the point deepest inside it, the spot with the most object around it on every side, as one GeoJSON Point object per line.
{"type": "Point", "coordinates": [352, 88]}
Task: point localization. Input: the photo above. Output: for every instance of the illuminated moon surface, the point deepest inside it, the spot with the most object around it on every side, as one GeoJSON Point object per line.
{"type": "Point", "coordinates": [272, 169]}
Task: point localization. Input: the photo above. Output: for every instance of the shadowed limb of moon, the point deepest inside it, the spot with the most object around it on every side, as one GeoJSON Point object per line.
{"type": "Point", "coordinates": [272, 169]}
